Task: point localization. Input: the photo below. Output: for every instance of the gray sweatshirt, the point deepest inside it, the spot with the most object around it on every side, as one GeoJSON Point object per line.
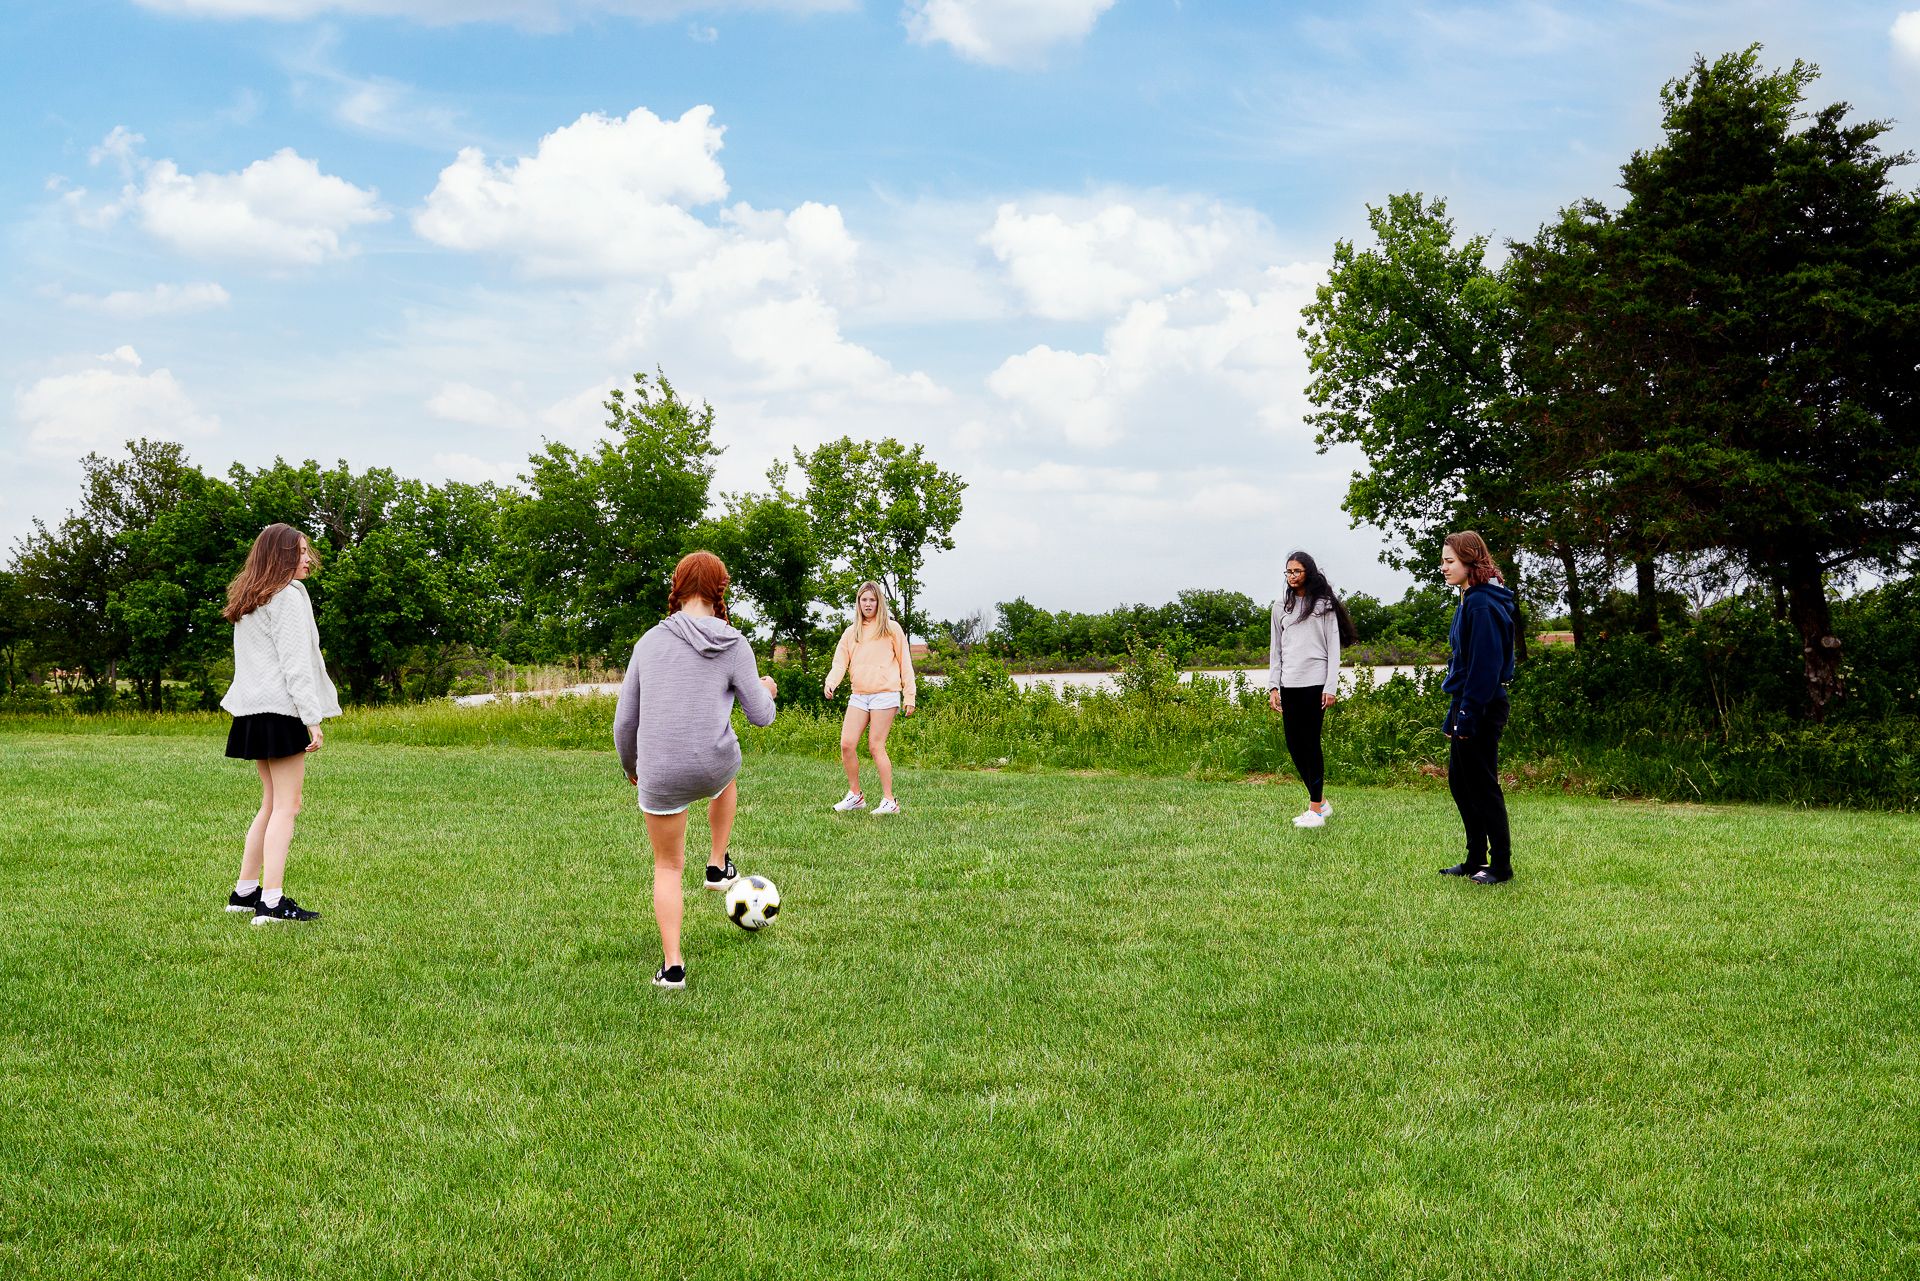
{"type": "Point", "coordinates": [1305, 649]}
{"type": "Point", "coordinates": [673, 726]}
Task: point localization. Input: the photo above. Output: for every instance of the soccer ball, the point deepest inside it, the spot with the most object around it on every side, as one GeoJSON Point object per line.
{"type": "Point", "coordinates": [752, 902]}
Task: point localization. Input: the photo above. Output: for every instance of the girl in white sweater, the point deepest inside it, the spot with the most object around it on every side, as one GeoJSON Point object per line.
{"type": "Point", "coordinates": [1303, 674]}
{"type": "Point", "coordinates": [279, 696]}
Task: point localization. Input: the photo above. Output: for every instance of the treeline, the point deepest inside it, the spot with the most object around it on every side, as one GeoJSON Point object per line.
{"type": "Point", "coordinates": [1715, 380]}
{"type": "Point", "coordinates": [1205, 628]}
{"type": "Point", "coordinates": [122, 597]}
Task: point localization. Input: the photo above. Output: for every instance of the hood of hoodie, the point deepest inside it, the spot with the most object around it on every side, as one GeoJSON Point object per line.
{"type": "Point", "coordinates": [709, 637]}
{"type": "Point", "coordinates": [1494, 596]}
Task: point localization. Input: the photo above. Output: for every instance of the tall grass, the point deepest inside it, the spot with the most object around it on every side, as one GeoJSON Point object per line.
{"type": "Point", "coordinates": [1385, 733]}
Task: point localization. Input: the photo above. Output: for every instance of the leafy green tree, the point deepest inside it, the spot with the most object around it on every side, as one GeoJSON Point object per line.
{"type": "Point", "coordinates": [596, 540]}
{"type": "Point", "coordinates": [1760, 297]}
{"type": "Point", "coordinates": [386, 597]}
{"type": "Point", "coordinates": [1407, 350]}
{"type": "Point", "coordinates": [15, 635]}
{"type": "Point", "coordinates": [768, 543]}
{"type": "Point", "coordinates": [879, 508]}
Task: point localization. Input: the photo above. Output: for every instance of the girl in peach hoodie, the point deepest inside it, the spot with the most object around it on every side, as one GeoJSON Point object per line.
{"type": "Point", "coordinates": [874, 651]}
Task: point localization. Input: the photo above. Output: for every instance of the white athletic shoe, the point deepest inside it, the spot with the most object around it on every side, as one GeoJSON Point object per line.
{"type": "Point", "coordinates": [1326, 809]}
{"type": "Point", "coordinates": [1312, 818]}
{"type": "Point", "coordinates": [888, 806]}
{"type": "Point", "coordinates": [851, 801]}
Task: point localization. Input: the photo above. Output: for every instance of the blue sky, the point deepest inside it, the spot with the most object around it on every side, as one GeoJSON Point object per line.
{"type": "Point", "coordinates": [1063, 243]}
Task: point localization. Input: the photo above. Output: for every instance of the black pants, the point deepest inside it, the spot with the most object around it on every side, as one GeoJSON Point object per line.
{"type": "Point", "coordinates": [1473, 775]}
{"type": "Point", "coordinates": [1302, 716]}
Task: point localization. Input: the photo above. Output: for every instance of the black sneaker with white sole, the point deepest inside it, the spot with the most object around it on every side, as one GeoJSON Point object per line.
{"type": "Point", "coordinates": [673, 977]}
{"type": "Point", "coordinates": [285, 910]}
{"type": "Point", "coordinates": [719, 878]}
{"type": "Point", "coordinates": [248, 902]}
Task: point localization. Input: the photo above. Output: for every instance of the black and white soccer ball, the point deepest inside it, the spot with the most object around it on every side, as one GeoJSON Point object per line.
{"type": "Point", "coordinates": [752, 902]}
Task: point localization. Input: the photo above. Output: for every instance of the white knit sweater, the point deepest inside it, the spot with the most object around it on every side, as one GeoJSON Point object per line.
{"type": "Point", "coordinates": [277, 665]}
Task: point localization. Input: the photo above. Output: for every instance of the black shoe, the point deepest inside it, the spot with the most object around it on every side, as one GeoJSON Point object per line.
{"type": "Point", "coordinates": [1489, 876]}
{"type": "Point", "coordinates": [248, 902]}
{"type": "Point", "coordinates": [285, 910]}
{"type": "Point", "coordinates": [719, 878]}
{"type": "Point", "coordinates": [673, 977]}
{"type": "Point", "coordinates": [1462, 869]}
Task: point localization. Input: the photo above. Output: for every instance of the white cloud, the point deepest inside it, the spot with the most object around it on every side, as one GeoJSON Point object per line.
{"type": "Point", "coordinates": [458, 402]}
{"type": "Point", "coordinates": [1091, 263]}
{"type": "Point", "coordinates": [1008, 33]}
{"type": "Point", "coordinates": [281, 211]}
{"type": "Point", "coordinates": [65, 414]}
{"type": "Point", "coordinates": [1200, 360]}
{"type": "Point", "coordinates": [121, 145]}
{"type": "Point", "coordinates": [277, 212]}
{"type": "Point", "coordinates": [538, 15]}
{"type": "Point", "coordinates": [160, 300]}
{"type": "Point", "coordinates": [1906, 37]}
{"type": "Point", "coordinates": [601, 194]}
{"type": "Point", "coordinates": [476, 471]}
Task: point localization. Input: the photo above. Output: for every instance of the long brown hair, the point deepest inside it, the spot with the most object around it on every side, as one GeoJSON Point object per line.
{"type": "Point", "coordinates": [700, 574]}
{"type": "Point", "coordinates": [1471, 551]}
{"type": "Point", "coordinates": [271, 565]}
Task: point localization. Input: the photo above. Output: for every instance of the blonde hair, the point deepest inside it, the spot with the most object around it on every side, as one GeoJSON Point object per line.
{"type": "Point", "coordinates": [880, 615]}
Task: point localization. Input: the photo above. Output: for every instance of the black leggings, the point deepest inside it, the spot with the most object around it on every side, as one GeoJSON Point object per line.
{"type": "Point", "coordinates": [1301, 716]}
{"type": "Point", "coordinates": [1473, 775]}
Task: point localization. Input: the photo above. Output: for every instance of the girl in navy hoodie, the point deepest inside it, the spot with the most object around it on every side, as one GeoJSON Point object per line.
{"type": "Point", "coordinates": [1477, 676]}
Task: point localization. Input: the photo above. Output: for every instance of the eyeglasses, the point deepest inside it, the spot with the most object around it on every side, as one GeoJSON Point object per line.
{"type": "Point", "coordinates": [1296, 573]}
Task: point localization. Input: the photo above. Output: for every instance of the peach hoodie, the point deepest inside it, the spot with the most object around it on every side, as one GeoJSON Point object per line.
{"type": "Point", "coordinates": [882, 665]}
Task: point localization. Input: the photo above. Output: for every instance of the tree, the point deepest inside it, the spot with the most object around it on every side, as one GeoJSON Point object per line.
{"type": "Point", "coordinates": [386, 597]}
{"type": "Point", "coordinates": [879, 507]}
{"type": "Point", "coordinates": [14, 633]}
{"type": "Point", "coordinates": [1407, 348]}
{"type": "Point", "coordinates": [596, 541]}
{"type": "Point", "coordinates": [768, 543]}
{"type": "Point", "coordinates": [1767, 280]}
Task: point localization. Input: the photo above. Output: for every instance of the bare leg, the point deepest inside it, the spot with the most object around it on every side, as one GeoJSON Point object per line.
{"type": "Point", "coordinates": [877, 748]}
{"type": "Point", "coordinates": [850, 726]}
{"type": "Point", "coordinates": [667, 833]}
{"type": "Point", "coordinates": [287, 775]}
{"type": "Point", "coordinates": [255, 849]}
{"type": "Point", "coordinates": [720, 812]}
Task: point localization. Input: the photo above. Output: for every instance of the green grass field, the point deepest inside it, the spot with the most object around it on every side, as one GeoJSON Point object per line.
{"type": "Point", "coordinates": [1043, 1025]}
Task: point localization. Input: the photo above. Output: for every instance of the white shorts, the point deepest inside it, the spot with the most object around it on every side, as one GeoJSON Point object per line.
{"type": "Point", "coordinates": [874, 702]}
{"type": "Point", "coordinates": [682, 808]}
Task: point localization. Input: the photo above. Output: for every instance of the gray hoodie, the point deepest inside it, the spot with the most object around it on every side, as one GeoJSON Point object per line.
{"type": "Point", "coordinates": [673, 726]}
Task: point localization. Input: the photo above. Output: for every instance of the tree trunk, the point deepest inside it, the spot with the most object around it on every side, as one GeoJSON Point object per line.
{"type": "Point", "coordinates": [1647, 593]}
{"type": "Point", "coordinates": [1576, 602]}
{"type": "Point", "coordinates": [1819, 648]}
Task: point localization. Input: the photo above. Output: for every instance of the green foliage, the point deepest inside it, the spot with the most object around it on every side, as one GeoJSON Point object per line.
{"type": "Point", "coordinates": [598, 536]}
{"type": "Point", "coordinates": [773, 554]}
{"type": "Point", "coordinates": [1407, 346]}
{"type": "Point", "coordinates": [879, 508]}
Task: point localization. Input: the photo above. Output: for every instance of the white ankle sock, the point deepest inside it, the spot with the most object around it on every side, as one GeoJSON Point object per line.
{"type": "Point", "coordinates": [271, 897]}
{"type": "Point", "coordinates": [245, 887]}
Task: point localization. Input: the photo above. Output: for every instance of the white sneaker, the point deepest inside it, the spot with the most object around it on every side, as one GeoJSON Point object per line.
{"type": "Point", "coordinates": [888, 806]}
{"type": "Point", "coordinates": [1326, 809]}
{"type": "Point", "coordinates": [851, 801]}
{"type": "Point", "coordinates": [1312, 818]}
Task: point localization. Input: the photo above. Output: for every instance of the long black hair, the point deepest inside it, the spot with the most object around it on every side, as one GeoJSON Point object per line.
{"type": "Point", "coordinates": [1313, 589]}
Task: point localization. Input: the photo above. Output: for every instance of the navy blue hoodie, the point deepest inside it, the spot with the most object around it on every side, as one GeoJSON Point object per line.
{"type": "Point", "coordinates": [1482, 640]}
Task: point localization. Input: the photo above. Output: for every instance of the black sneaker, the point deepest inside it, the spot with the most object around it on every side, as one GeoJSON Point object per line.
{"type": "Point", "coordinates": [673, 977]}
{"type": "Point", "coordinates": [1492, 876]}
{"type": "Point", "coordinates": [1461, 869]}
{"type": "Point", "coordinates": [719, 878]}
{"type": "Point", "coordinates": [285, 910]}
{"type": "Point", "coordinates": [248, 902]}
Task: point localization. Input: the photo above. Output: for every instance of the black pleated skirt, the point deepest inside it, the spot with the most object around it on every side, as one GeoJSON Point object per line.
{"type": "Point", "coordinates": [266, 736]}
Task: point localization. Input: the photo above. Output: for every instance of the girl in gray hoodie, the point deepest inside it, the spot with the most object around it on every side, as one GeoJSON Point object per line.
{"type": "Point", "coordinates": [673, 730]}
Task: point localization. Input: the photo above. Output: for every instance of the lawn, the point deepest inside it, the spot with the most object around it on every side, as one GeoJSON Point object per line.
{"type": "Point", "coordinates": [1042, 1025]}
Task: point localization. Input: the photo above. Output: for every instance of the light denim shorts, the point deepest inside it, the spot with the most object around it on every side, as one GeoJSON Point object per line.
{"type": "Point", "coordinates": [874, 702]}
